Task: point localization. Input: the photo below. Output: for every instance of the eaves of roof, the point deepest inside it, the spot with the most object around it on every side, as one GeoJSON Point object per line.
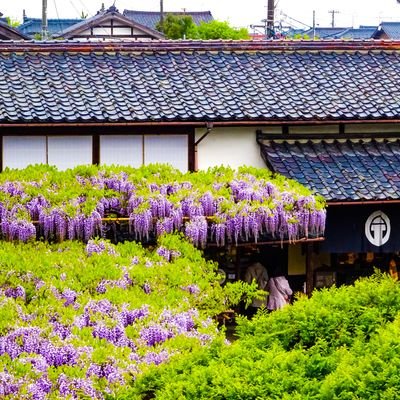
{"type": "Point", "coordinates": [285, 46]}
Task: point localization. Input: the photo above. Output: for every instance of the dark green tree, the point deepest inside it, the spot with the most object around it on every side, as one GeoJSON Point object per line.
{"type": "Point", "coordinates": [178, 27]}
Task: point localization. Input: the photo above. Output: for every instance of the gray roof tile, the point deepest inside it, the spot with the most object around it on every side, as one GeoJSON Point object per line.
{"type": "Point", "coordinates": [353, 170]}
{"type": "Point", "coordinates": [190, 81]}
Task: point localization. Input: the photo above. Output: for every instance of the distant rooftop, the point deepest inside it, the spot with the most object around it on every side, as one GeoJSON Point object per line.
{"type": "Point", "coordinates": [152, 18]}
{"type": "Point", "coordinates": [388, 30]}
{"type": "Point", "coordinates": [33, 26]}
{"type": "Point", "coordinates": [363, 32]}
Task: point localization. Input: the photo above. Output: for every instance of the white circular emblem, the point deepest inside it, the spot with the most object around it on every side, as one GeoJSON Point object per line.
{"type": "Point", "coordinates": [377, 228]}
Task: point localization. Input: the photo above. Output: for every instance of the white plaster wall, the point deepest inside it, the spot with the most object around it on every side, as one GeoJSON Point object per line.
{"type": "Point", "coordinates": [232, 147]}
{"type": "Point", "coordinates": [124, 31]}
{"type": "Point", "coordinates": [101, 31]}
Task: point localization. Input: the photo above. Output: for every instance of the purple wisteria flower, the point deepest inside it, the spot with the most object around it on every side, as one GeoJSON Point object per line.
{"type": "Point", "coordinates": [69, 296]}
{"type": "Point", "coordinates": [164, 252]}
{"type": "Point", "coordinates": [155, 334]}
{"type": "Point", "coordinates": [70, 388]}
{"type": "Point", "coordinates": [62, 331]}
{"type": "Point", "coordinates": [115, 335]}
{"type": "Point", "coordinates": [29, 340]}
{"type": "Point", "coordinates": [8, 385]}
{"type": "Point", "coordinates": [127, 317]}
{"type": "Point", "coordinates": [156, 358]}
{"type": "Point", "coordinates": [181, 322]}
{"type": "Point", "coordinates": [192, 289]}
{"type": "Point", "coordinates": [135, 260]}
{"type": "Point", "coordinates": [99, 247]}
{"type": "Point", "coordinates": [196, 231]}
{"type": "Point", "coordinates": [20, 230]}
{"type": "Point", "coordinates": [15, 292]}
{"type": "Point", "coordinates": [40, 389]}
{"type": "Point", "coordinates": [147, 288]}
{"type": "Point", "coordinates": [108, 371]}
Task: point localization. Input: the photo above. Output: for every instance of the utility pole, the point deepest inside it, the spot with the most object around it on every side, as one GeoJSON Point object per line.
{"type": "Point", "coordinates": [162, 15]}
{"type": "Point", "coordinates": [313, 25]}
{"type": "Point", "coordinates": [270, 18]}
{"type": "Point", "coordinates": [333, 12]}
{"type": "Point", "coordinates": [45, 33]}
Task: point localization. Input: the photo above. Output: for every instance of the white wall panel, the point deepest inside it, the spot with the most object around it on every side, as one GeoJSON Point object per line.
{"type": "Point", "coordinates": [229, 146]}
{"type": "Point", "coordinates": [170, 149]}
{"type": "Point", "coordinates": [21, 151]}
{"type": "Point", "coordinates": [69, 151]}
{"type": "Point", "coordinates": [121, 150]}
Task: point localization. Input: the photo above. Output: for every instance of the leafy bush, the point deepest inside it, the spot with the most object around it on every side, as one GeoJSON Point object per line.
{"type": "Point", "coordinates": [340, 344]}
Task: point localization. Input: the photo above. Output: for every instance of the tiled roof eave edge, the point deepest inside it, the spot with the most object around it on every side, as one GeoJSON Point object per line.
{"type": "Point", "coordinates": [211, 45]}
{"type": "Point", "coordinates": [197, 122]}
{"type": "Point", "coordinates": [360, 202]}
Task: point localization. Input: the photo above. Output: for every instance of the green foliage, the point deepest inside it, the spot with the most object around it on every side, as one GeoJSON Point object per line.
{"type": "Point", "coordinates": [183, 27]}
{"type": "Point", "coordinates": [340, 344]}
{"type": "Point", "coordinates": [178, 27]}
{"type": "Point", "coordinates": [221, 30]}
{"type": "Point", "coordinates": [12, 22]}
{"type": "Point", "coordinates": [301, 36]}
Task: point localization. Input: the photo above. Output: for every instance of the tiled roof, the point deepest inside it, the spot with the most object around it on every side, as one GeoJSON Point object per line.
{"type": "Point", "coordinates": [199, 81]}
{"type": "Point", "coordinates": [9, 33]}
{"type": "Point", "coordinates": [357, 33]}
{"type": "Point", "coordinates": [327, 33]}
{"type": "Point", "coordinates": [392, 30]}
{"type": "Point", "coordinates": [104, 17]}
{"type": "Point", "coordinates": [33, 26]}
{"type": "Point", "coordinates": [363, 32]}
{"type": "Point", "coordinates": [152, 18]}
{"type": "Point", "coordinates": [340, 170]}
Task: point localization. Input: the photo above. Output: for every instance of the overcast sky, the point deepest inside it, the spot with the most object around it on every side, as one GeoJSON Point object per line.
{"type": "Point", "coordinates": [237, 12]}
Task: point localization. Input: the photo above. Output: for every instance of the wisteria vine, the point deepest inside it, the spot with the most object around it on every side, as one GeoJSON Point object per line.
{"type": "Point", "coordinates": [221, 206]}
{"type": "Point", "coordinates": [73, 329]}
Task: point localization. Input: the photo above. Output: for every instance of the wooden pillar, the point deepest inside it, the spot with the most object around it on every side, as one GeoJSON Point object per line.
{"type": "Point", "coordinates": [192, 149]}
{"type": "Point", "coordinates": [1, 153]}
{"type": "Point", "coordinates": [96, 149]}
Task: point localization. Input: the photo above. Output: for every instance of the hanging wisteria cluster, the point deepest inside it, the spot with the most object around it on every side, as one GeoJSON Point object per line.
{"type": "Point", "coordinates": [221, 206]}
{"type": "Point", "coordinates": [85, 325]}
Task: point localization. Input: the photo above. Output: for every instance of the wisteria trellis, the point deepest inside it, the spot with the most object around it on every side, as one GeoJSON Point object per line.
{"type": "Point", "coordinates": [85, 321]}
{"type": "Point", "coordinates": [220, 205]}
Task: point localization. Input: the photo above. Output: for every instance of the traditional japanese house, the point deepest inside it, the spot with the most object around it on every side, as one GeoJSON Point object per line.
{"type": "Point", "coordinates": [109, 25]}
{"type": "Point", "coordinates": [387, 30]}
{"type": "Point", "coordinates": [324, 113]}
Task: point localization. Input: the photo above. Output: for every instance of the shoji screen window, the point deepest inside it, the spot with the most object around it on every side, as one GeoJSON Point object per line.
{"type": "Point", "coordinates": [121, 150]}
{"type": "Point", "coordinates": [21, 151]}
{"type": "Point", "coordinates": [171, 149]}
{"type": "Point", "coordinates": [69, 151]}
